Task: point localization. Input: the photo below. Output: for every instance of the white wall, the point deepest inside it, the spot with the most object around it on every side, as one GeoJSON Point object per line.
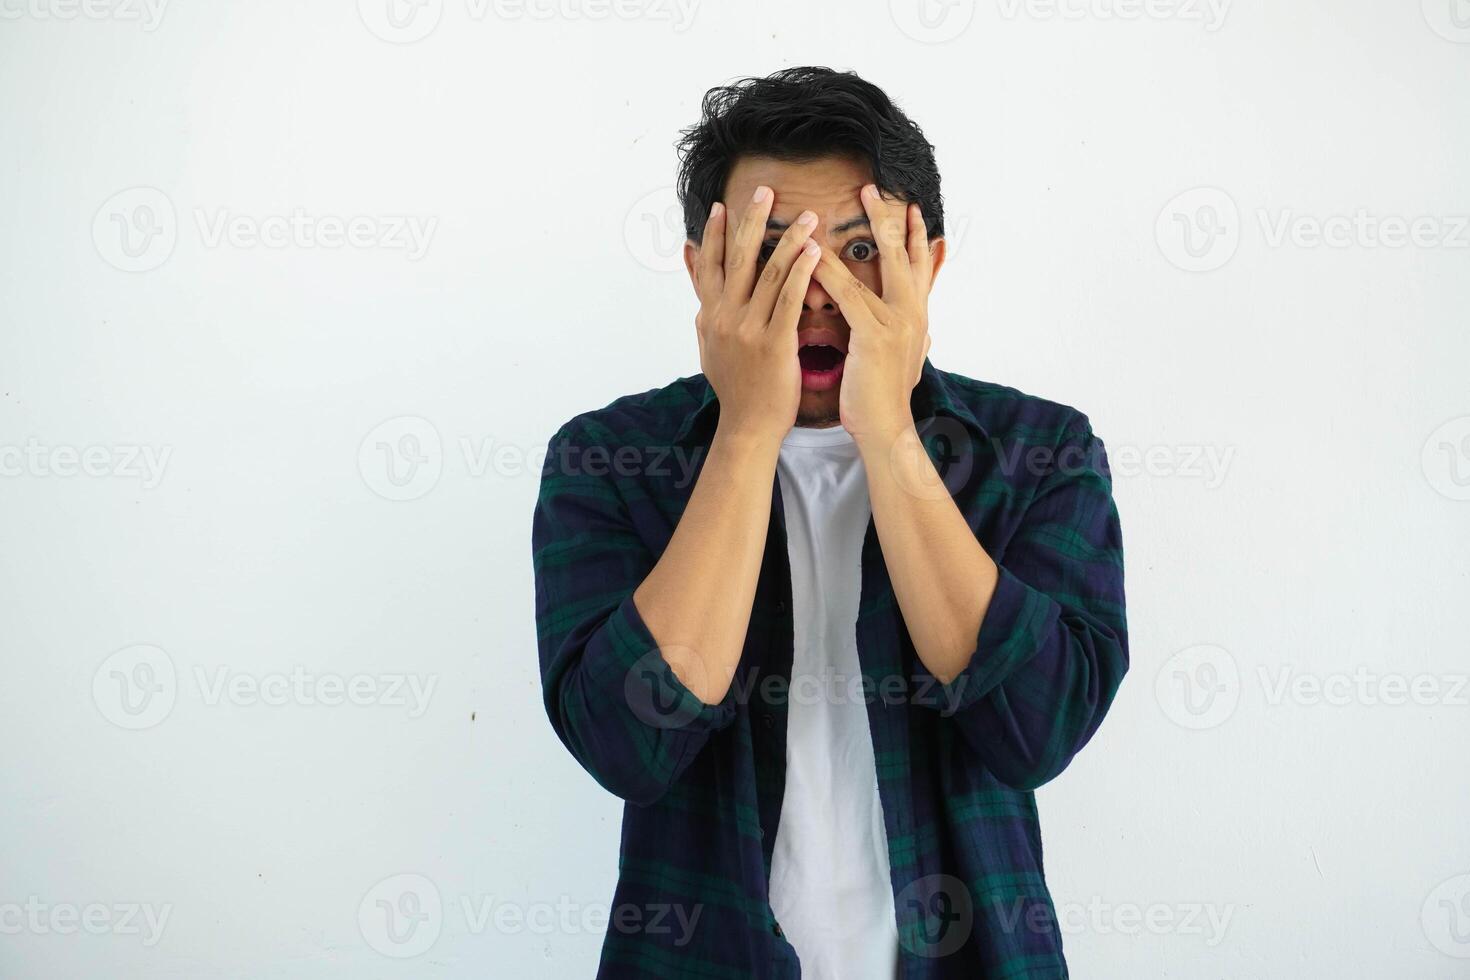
{"type": "Point", "coordinates": [1290, 427]}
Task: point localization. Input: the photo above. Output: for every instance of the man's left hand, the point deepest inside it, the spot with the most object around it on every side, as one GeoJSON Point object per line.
{"type": "Point", "coordinates": [890, 333]}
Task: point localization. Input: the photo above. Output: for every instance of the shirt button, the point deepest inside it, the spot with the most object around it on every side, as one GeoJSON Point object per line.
{"type": "Point", "coordinates": [768, 721]}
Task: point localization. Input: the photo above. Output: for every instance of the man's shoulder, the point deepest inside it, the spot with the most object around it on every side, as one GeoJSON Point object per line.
{"type": "Point", "coordinates": [645, 417]}
{"type": "Point", "coordinates": [1007, 413]}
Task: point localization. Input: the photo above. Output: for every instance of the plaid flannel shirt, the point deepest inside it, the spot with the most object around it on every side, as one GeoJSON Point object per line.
{"type": "Point", "coordinates": [956, 764]}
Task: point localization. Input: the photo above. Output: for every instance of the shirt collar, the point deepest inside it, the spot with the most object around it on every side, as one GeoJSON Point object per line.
{"type": "Point", "coordinates": [933, 396]}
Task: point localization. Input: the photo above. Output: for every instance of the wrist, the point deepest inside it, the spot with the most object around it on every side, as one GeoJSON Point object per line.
{"type": "Point", "coordinates": [747, 437]}
{"type": "Point", "coordinates": [880, 439]}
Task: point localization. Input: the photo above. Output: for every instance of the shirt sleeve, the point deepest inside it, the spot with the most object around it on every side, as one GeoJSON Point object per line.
{"type": "Point", "coordinates": [1052, 648]}
{"type": "Point", "coordinates": [611, 696]}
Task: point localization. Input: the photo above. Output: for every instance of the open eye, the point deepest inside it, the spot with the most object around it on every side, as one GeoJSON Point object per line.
{"type": "Point", "coordinates": [766, 249]}
{"type": "Point", "coordinates": [861, 250]}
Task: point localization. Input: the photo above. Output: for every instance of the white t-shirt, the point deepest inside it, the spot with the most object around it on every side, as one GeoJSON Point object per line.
{"type": "Point", "coordinates": [830, 888]}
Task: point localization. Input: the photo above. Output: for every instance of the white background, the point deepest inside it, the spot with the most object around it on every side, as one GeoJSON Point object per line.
{"type": "Point", "coordinates": [1325, 545]}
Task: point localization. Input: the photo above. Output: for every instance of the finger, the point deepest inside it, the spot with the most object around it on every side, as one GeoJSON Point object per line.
{"type": "Point", "coordinates": [853, 298]}
{"type": "Point", "coordinates": [888, 223]}
{"type": "Point", "coordinates": [779, 265]}
{"type": "Point", "coordinates": [789, 302]}
{"type": "Point", "coordinates": [711, 261]}
{"type": "Point", "coordinates": [921, 256]}
{"type": "Point", "coordinates": [745, 245]}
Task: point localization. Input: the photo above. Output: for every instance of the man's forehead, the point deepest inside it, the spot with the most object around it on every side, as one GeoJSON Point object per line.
{"type": "Point", "coordinates": [828, 185]}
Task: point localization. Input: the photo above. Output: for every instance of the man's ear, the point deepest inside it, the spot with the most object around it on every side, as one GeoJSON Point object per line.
{"type": "Point", "coordinates": [691, 262]}
{"type": "Point", "coordinates": [939, 249]}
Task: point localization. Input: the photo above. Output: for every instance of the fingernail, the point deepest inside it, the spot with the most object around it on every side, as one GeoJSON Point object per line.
{"type": "Point", "coordinates": [807, 218]}
{"type": "Point", "coordinates": [760, 193]}
{"type": "Point", "coordinates": [811, 248]}
{"type": "Point", "coordinates": [715, 209]}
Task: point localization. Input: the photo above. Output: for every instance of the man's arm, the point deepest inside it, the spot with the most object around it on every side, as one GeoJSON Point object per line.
{"type": "Point", "coordinates": [697, 600]}
{"type": "Point", "coordinates": [637, 655]}
{"type": "Point", "coordinates": [1029, 652]}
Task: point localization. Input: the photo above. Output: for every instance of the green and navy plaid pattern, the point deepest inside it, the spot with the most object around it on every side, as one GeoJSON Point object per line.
{"type": "Point", "coordinates": [957, 763]}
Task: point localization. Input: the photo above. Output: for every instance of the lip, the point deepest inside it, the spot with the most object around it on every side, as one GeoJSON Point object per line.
{"type": "Point", "coordinates": [821, 380]}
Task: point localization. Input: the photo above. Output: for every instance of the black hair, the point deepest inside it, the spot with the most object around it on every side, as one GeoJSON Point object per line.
{"type": "Point", "coordinates": [800, 114]}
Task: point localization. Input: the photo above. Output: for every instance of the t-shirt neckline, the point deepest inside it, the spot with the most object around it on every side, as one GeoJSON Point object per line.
{"type": "Point", "coordinates": [809, 436]}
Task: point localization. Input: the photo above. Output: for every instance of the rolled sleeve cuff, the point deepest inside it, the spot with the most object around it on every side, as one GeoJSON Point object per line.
{"type": "Point", "coordinates": [631, 666]}
{"type": "Point", "coordinates": [1015, 622]}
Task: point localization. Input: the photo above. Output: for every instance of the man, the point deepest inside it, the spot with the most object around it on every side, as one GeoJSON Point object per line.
{"type": "Point", "coordinates": [826, 673]}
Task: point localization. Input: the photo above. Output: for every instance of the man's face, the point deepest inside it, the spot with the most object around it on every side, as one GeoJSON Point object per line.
{"type": "Point", "coordinates": [829, 187]}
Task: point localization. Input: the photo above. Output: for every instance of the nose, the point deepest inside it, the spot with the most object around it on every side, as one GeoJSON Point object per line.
{"type": "Point", "coordinates": [817, 299]}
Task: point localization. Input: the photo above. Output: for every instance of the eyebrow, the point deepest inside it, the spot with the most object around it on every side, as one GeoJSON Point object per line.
{"type": "Point", "coordinates": [861, 221]}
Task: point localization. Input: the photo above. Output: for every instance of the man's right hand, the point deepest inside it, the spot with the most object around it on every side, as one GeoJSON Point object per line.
{"type": "Point", "coordinates": [747, 324]}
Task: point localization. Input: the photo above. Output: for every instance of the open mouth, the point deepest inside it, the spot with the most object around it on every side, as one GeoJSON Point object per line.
{"type": "Point", "coordinates": [821, 366]}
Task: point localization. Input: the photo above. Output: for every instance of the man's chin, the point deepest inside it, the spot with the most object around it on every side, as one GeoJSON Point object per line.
{"type": "Point", "coordinates": [818, 408]}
